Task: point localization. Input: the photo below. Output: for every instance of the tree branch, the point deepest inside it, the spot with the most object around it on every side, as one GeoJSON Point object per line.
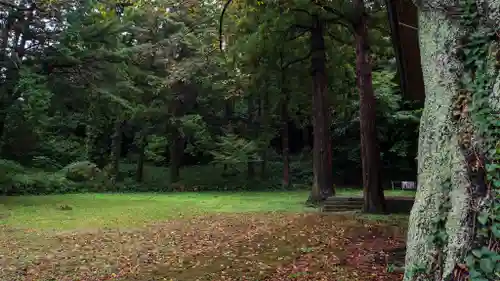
{"type": "Point", "coordinates": [339, 21]}
{"type": "Point", "coordinates": [297, 35]}
{"type": "Point", "coordinates": [286, 65]}
{"type": "Point", "coordinates": [301, 10]}
{"type": "Point", "coordinates": [336, 38]}
{"type": "Point", "coordinates": [339, 18]}
{"type": "Point", "coordinates": [306, 27]}
{"type": "Point", "coordinates": [221, 19]}
{"type": "Point", "coordinates": [381, 29]}
{"type": "Point", "coordinates": [19, 8]}
{"type": "Point", "coordinates": [331, 10]}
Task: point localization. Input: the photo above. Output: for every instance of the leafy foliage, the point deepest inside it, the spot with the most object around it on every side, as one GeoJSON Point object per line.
{"type": "Point", "coordinates": [156, 68]}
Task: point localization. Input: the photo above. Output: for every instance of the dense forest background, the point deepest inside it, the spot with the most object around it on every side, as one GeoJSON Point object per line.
{"type": "Point", "coordinates": [152, 96]}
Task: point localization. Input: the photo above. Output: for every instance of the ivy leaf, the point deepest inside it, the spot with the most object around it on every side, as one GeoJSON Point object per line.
{"type": "Point", "coordinates": [486, 265]}
{"type": "Point", "coordinates": [495, 228]}
{"type": "Point", "coordinates": [474, 274]}
{"type": "Point", "coordinates": [477, 253]}
{"type": "Point", "coordinates": [469, 261]}
{"type": "Point", "coordinates": [496, 259]}
{"type": "Point", "coordinates": [483, 218]}
{"type": "Point", "coordinates": [496, 183]}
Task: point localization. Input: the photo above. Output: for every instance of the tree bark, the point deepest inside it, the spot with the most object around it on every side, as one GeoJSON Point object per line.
{"type": "Point", "coordinates": [264, 114]}
{"type": "Point", "coordinates": [250, 133]}
{"type": "Point", "coordinates": [139, 173]}
{"type": "Point", "coordinates": [284, 135]}
{"type": "Point", "coordinates": [116, 146]}
{"type": "Point", "coordinates": [322, 186]}
{"type": "Point", "coordinates": [228, 113]}
{"type": "Point", "coordinates": [373, 193]}
{"type": "Point", "coordinates": [284, 118]}
{"type": "Point", "coordinates": [176, 153]}
{"type": "Point", "coordinates": [445, 183]}
{"type": "Point", "coordinates": [306, 139]}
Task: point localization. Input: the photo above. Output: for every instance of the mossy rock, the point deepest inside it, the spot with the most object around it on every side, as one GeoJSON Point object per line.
{"type": "Point", "coordinates": [81, 171]}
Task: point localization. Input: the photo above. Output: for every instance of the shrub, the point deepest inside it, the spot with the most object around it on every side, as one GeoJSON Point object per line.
{"type": "Point", "coordinates": [79, 177]}
{"type": "Point", "coordinates": [40, 183]}
{"type": "Point", "coordinates": [9, 166]}
{"type": "Point", "coordinates": [45, 162]}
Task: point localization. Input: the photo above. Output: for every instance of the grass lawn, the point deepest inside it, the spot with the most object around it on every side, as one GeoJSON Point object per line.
{"type": "Point", "coordinates": [134, 210]}
{"type": "Point", "coordinates": [191, 236]}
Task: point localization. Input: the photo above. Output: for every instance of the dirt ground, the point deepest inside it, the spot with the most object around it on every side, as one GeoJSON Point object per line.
{"type": "Point", "coordinates": [250, 247]}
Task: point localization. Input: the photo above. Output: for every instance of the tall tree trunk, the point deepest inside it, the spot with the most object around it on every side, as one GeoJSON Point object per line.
{"type": "Point", "coordinates": [228, 113]}
{"type": "Point", "coordinates": [264, 116]}
{"type": "Point", "coordinates": [176, 154]}
{"type": "Point", "coordinates": [322, 186]}
{"type": "Point", "coordinates": [13, 62]}
{"type": "Point", "coordinates": [283, 112]}
{"type": "Point", "coordinates": [139, 173]}
{"type": "Point", "coordinates": [3, 119]}
{"type": "Point", "coordinates": [306, 139]}
{"type": "Point", "coordinates": [116, 146]}
{"type": "Point", "coordinates": [450, 190]}
{"type": "Point", "coordinates": [250, 132]}
{"type": "Point", "coordinates": [284, 131]}
{"type": "Point", "coordinates": [373, 192]}
{"type": "Point", "coordinates": [92, 133]}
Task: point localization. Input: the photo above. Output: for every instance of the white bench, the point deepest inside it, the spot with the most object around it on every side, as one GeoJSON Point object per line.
{"type": "Point", "coordinates": [405, 185]}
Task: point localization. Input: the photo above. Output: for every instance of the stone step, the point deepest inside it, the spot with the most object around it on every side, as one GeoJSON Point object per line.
{"type": "Point", "coordinates": [358, 206]}
{"type": "Point", "coordinates": [344, 199]}
{"type": "Point", "coordinates": [341, 208]}
{"type": "Point", "coordinates": [344, 204]}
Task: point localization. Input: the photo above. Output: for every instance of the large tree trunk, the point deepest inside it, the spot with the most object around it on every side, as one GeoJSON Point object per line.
{"type": "Point", "coordinates": [370, 155]}
{"type": "Point", "coordinates": [322, 186]}
{"type": "Point", "coordinates": [448, 189]}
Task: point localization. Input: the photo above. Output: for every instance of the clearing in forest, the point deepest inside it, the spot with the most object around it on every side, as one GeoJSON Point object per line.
{"type": "Point", "coordinates": [216, 236]}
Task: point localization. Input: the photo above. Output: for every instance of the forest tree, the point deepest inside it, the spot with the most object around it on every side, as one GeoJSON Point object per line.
{"type": "Point", "coordinates": [454, 224]}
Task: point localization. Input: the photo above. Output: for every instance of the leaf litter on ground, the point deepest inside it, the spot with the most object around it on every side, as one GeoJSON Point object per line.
{"type": "Point", "coordinates": [243, 247]}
